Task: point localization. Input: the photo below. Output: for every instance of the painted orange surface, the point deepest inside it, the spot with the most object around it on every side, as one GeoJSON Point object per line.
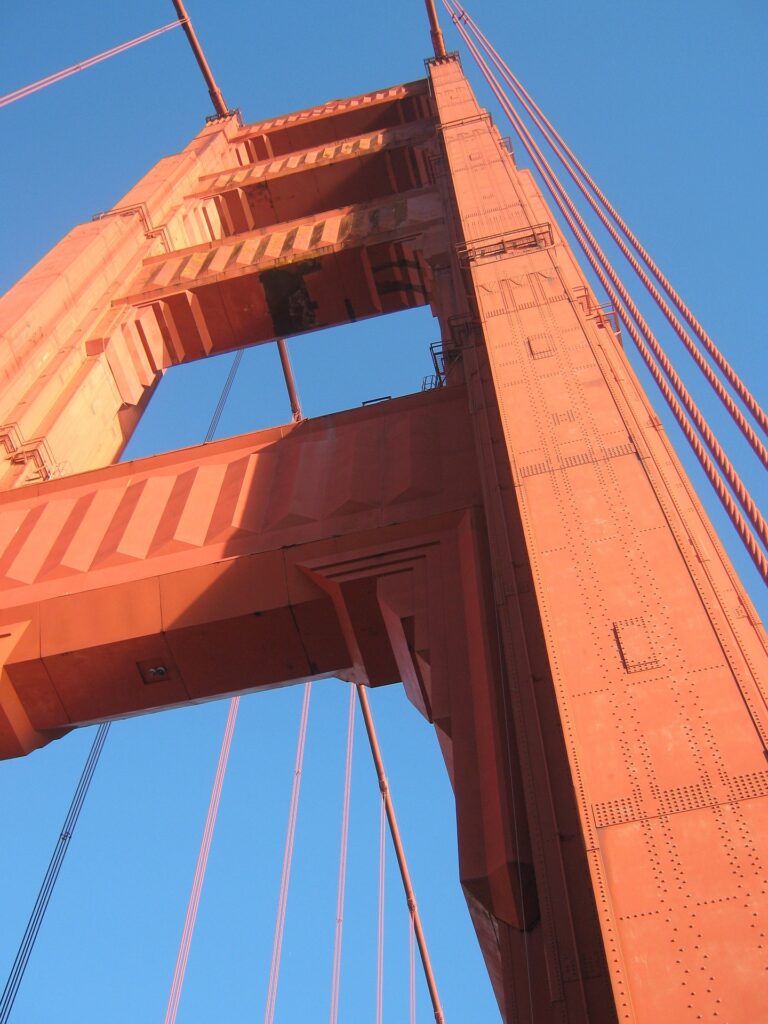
{"type": "Point", "coordinates": [636, 662]}
{"type": "Point", "coordinates": [520, 547]}
{"type": "Point", "coordinates": [114, 568]}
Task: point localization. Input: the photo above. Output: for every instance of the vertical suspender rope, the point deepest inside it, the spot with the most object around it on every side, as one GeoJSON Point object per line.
{"type": "Point", "coordinates": [380, 915]}
{"type": "Point", "coordinates": [336, 972]}
{"type": "Point", "coordinates": [51, 875]}
{"type": "Point", "coordinates": [277, 946]}
{"type": "Point", "coordinates": [202, 863]}
{"type": "Point", "coordinates": [400, 854]}
{"type": "Point", "coordinates": [198, 879]}
{"type": "Point", "coordinates": [598, 261]}
{"type": "Point", "coordinates": [411, 973]}
{"type": "Point", "coordinates": [569, 163]}
{"type": "Point", "coordinates": [225, 391]}
{"type": "Point", "coordinates": [720, 360]}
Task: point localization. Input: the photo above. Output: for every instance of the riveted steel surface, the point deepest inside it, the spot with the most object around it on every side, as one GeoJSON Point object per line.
{"type": "Point", "coordinates": [520, 548]}
{"type": "Point", "coordinates": [646, 713]}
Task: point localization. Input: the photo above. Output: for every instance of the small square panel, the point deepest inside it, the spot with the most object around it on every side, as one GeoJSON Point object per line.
{"type": "Point", "coordinates": [635, 644]}
{"type": "Point", "coordinates": [541, 345]}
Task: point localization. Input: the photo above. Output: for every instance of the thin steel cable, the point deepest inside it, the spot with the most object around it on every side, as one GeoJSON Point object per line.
{"type": "Point", "coordinates": [216, 417]}
{"type": "Point", "coordinates": [402, 863]}
{"type": "Point", "coordinates": [411, 972]}
{"type": "Point", "coordinates": [198, 879]}
{"type": "Point", "coordinates": [380, 915]}
{"type": "Point", "coordinates": [51, 876]}
{"type": "Point", "coordinates": [568, 161]}
{"type": "Point", "coordinates": [343, 847]}
{"type": "Point", "coordinates": [730, 374]}
{"type": "Point", "coordinates": [58, 76]}
{"type": "Point", "coordinates": [202, 863]}
{"type": "Point", "coordinates": [277, 946]}
{"type": "Point", "coordinates": [598, 261]}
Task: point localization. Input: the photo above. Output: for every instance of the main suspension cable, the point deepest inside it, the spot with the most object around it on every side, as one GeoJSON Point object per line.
{"type": "Point", "coordinates": [400, 853]}
{"type": "Point", "coordinates": [566, 159]}
{"type": "Point", "coordinates": [202, 863]}
{"type": "Point", "coordinates": [282, 902]}
{"type": "Point", "coordinates": [598, 261]}
{"type": "Point", "coordinates": [343, 847]}
{"type": "Point", "coordinates": [570, 160]}
{"type": "Point", "coordinates": [51, 875]}
{"type": "Point", "coordinates": [58, 76]}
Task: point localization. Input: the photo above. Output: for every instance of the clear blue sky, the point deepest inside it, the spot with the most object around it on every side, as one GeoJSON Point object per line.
{"type": "Point", "coordinates": [666, 103]}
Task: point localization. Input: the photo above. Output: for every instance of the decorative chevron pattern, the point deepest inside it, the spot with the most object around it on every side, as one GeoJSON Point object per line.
{"type": "Point", "coordinates": [361, 145]}
{"type": "Point", "coordinates": [352, 471]}
{"type": "Point", "coordinates": [348, 226]}
{"type": "Point", "coordinates": [337, 107]}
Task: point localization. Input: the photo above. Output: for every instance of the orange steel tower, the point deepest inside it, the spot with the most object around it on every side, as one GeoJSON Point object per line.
{"type": "Point", "coordinates": [519, 545]}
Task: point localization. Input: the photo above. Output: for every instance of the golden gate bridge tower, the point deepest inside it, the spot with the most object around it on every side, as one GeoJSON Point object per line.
{"type": "Point", "coordinates": [517, 545]}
